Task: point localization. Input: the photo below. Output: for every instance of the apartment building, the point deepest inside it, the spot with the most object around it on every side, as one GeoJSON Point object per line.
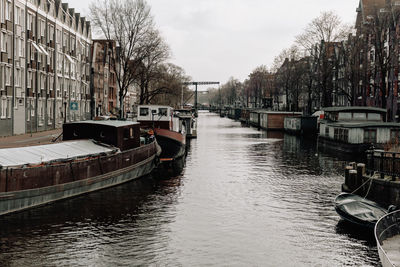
{"type": "Point", "coordinates": [45, 66]}
{"type": "Point", "coordinates": [104, 77]}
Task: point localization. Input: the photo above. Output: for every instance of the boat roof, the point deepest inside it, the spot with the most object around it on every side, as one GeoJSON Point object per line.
{"type": "Point", "coordinates": [362, 124]}
{"type": "Point", "coordinates": [113, 123]}
{"type": "Point", "coordinates": [154, 106]}
{"type": "Point", "coordinates": [33, 155]}
{"type": "Point", "coordinates": [354, 108]}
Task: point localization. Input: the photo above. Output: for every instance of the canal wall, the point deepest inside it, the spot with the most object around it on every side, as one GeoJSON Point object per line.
{"type": "Point", "coordinates": [374, 186]}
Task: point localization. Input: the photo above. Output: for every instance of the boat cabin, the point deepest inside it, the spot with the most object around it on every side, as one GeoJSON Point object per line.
{"type": "Point", "coordinates": [157, 116]}
{"type": "Point", "coordinates": [355, 129]}
{"type": "Point", "coordinates": [188, 121]}
{"type": "Point", "coordinates": [270, 120]}
{"type": "Point", "coordinates": [122, 134]}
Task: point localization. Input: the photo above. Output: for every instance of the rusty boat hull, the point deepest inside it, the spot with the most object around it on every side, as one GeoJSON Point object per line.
{"type": "Point", "coordinates": [173, 144]}
{"type": "Point", "coordinates": [23, 188]}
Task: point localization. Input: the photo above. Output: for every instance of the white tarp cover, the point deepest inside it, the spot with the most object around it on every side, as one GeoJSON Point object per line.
{"type": "Point", "coordinates": [43, 153]}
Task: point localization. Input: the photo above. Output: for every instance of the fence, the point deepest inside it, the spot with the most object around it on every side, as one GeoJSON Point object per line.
{"type": "Point", "coordinates": [383, 162]}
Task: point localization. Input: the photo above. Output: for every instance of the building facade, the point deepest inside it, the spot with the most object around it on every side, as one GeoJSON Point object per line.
{"type": "Point", "coordinates": [45, 66]}
{"type": "Point", "coordinates": [104, 78]}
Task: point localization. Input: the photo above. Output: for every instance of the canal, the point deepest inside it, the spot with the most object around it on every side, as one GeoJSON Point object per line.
{"type": "Point", "coordinates": [245, 198]}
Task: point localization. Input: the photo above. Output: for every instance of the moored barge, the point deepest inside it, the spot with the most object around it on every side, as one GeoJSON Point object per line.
{"type": "Point", "coordinates": [94, 155]}
{"type": "Point", "coordinates": [169, 130]}
{"type": "Point", "coordinates": [353, 130]}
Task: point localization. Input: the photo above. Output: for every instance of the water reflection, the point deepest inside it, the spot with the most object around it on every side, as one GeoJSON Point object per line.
{"type": "Point", "coordinates": [244, 198]}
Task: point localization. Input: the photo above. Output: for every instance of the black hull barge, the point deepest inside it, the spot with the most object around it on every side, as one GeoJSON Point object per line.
{"type": "Point", "coordinates": [48, 173]}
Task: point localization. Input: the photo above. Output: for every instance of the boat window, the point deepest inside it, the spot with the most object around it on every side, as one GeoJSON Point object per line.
{"type": "Point", "coordinates": [163, 112]}
{"type": "Point", "coordinates": [369, 135]}
{"type": "Point", "coordinates": [344, 116]}
{"type": "Point", "coordinates": [341, 134]}
{"type": "Point", "coordinates": [144, 111]}
{"type": "Point", "coordinates": [374, 116]}
{"type": "Point", "coordinates": [326, 131]}
{"type": "Point", "coordinates": [360, 116]}
{"type": "Point", "coordinates": [394, 135]}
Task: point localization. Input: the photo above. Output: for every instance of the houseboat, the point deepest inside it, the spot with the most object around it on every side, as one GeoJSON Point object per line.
{"type": "Point", "coordinates": [169, 130]}
{"type": "Point", "coordinates": [189, 121]}
{"type": "Point", "coordinates": [254, 117]}
{"type": "Point", "coordinates": [234, 113]}
{"type": "Point", "coordinates": [245, 116]}
{"type": "Point", "coordinates": [93, 155]}
{"type": "Point", "coordinates": [387, 235]}
{"type": "Point", "coordinates": [353, 130]}
{"type": "Point", "coordinates": [301, 125]}
{"type": "Point", "coordinates": [270, 120]}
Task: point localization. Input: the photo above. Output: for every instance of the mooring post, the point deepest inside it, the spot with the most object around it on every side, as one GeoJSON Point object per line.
{"type": "Point", "coordinates": [393, 166]}
{"type": "Point", "coordinates": [346, 174]}
{"type": "Point", "coordinates": [360, 174]}
{"type": "Point", "coordinates": [381, 165]}
{"type": "Point", "coordinates": [352, 179]}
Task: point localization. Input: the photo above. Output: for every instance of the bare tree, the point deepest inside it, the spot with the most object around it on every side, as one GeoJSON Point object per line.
{"type": "Point", "coordinates": [129, 23]}
{"type": "Point", "coordinates": [168, 88]}
{"type": "Point", "coordinates": [319, 41]}
{"type": "Point", "coordinates": [327, 27]}
{"type": "Point", "coordinates": [285, 73]}
{"type": "Point", "coordinates": [381, 38]}
{"type": "Point", "coordinates": [155, 53]}
{"type": "Point", "coordinates": [258, 81]}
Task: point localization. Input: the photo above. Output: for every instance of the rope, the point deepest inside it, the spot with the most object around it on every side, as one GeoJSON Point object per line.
{"type": "Point", "coordinates": [368, 188]}
{"type": "Point", "coordinates": [369, 179]}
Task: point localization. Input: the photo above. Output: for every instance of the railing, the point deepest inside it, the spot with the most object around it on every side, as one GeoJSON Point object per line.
{"type": "Point", "coordinates": [383, 162]}
{"type": "Point", "coordinates": [388, 226]}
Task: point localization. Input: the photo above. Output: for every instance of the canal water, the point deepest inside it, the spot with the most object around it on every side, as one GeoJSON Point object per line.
{"type": "Point", "coordinates": [245, 198]}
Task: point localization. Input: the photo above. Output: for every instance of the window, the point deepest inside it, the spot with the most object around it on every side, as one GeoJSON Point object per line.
{"type": "Point", "coordinates": [20, 47]}
{"type": "Point", "coordinates": [29, 81]}
{"type": "Point", "coordinates": [32, 107]}
{"type": "Point", "coordinates": [18, 77]}
{"type": "Point", "coordinates": [7, 9]}
{"type": "Point", "coordinates": [1, 13]}
{"type": "Point", "coordinates": [327, 131]}
{"type": "Point", "coordinates": [3, 42]}
{"type": "Point", "coordinates": [8, 76]}
{"type": "Point", "coordinates": [9, 107]}
{"type": "Point", "coordinates": [49, 111]}
{"type": "Point", "coordinates": [163, 112]}
{"type": "Point", "coordinates": [29, 22]}
{"type": "Point", "coordinates": [369, 135]}
{"type": "Point", "coordinates": [32, 52]}
{"type": "Point", "coordinates": [42, 81]}
{"type": "Point", "coordinates": [17, 15]}
{"type": "Point", "coordinates": [40, 111]}
{"type": "Point", "coordinates": [3, 108]}
{"type": "Point", "coordinates": [42, 28]}
{"type": "Point", "coordinates": [394, 135]}
{"type": "Point", "coordinates": [144, 111]}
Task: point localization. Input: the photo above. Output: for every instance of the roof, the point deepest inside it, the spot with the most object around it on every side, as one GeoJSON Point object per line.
{"type": "Point", "coordinates": [364, 124]}
{"type": "Point", "coordinates": [113, 123]}
{"type": "Point", "coordinates": [154, 106]}
{"type": "Point", "coordinates": [364, 109]}
{"type": "Point", "coordinates": [45, 153]}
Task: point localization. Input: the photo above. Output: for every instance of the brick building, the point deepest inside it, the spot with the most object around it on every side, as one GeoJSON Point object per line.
{"type": "Point", "coordinates": [104, 78]}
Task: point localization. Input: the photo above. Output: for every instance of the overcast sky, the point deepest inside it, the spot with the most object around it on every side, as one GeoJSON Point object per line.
{"type": "Point", "coordinates": [213, 40]}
